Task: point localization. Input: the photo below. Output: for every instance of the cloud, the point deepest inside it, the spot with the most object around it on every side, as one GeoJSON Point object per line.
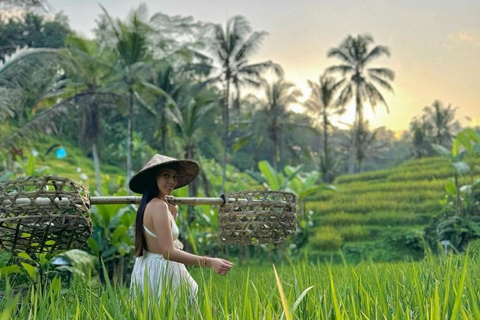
{"type": "Point", "coordinates": [465, 37]}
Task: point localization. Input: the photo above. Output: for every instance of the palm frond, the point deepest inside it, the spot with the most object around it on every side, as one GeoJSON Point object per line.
{"type": "Point", "coordinates": [201, 68]}
{"type": "Point", "coordinates": [9, 100]}
{"type": "Point", "coordinates": [17, 71]}
{"type": "Point", "coordinates": [384, 84]}
{"type": "Point", "coordinates": [111, 22]}
{"type": "Point", "coordinates": [144, 104]}
{"type": "Point", "coordinates": [141, 70]}
{"type": "Point", "coordinates": [237, 29]}
{"type": "Point", "coordinates": [201, 56]}
{"type": "Point", "coordinates": [219, 46]}
{"type": "Point", "coordinates": [374, 96]}
{"type": "Point", "coordinates": [63, 107]}
{"type": "Point", "coordinates": [382, 72]}
{"type": "Point", "coordinates": [343, 69]}
{"type": "Point", "coordinates": [256, 69]}
{"type": "Point", "coordinates": [250, 45]}
{"type": "Point", "coordinates": [342, 54]}
{"type": "Point", "coordinates": [345, 96]}
{"type": "Point", "coordinates": [158, 91]}
{"type": "Point", "coordinates": [376, 52]}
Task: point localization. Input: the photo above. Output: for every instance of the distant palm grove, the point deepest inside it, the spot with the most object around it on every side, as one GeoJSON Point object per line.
{"type": "Point", "coordinates": [191, 89]}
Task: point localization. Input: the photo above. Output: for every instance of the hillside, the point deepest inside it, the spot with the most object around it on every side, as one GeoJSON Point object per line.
{"type": "Point", "coordinates": [380, 215]}
{"type": "Point", "coordinates": [75, 165]}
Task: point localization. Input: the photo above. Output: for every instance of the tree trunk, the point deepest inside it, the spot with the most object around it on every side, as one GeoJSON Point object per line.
{"type": "Point", "coordinates": [96, 164]}
{"type": "Point", "coordinates": [225, 134]}
{"type": "Point", "coordinates": [279, 148]}
{"type": "Point", "coordinates": [356, 130]}
{"type": "Point", "coordinates": [274, 137]}
{"type": "Point", "coordinates": [326, 163]}
{"type": "Point", "coordinates": [129, 142]}
{"type": "Point", "coordinates": [458, 198]}
{"type": "Point", "coordinates": [206, 185]}
{"type": "Point", "coordinates": [163, 130]}
{"type": "Point", "coordinates": [192, 186]}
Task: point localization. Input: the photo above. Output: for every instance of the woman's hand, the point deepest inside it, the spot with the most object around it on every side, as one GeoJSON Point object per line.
{"type": "Point", "coordinates": [220, 266]}
{"type": "Point", "coordinates": [172, 207]}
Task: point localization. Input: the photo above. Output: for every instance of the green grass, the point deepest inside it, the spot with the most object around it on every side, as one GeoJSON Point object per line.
{"type": "Point", "coordinates": [442, 288]}
{"type": "Point", "coordinates": [75, 161]}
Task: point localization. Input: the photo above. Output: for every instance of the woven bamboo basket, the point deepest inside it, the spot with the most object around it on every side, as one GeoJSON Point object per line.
{"type": "Point", "coordinates": [61, 222]}
{"type": "Point", "coordinates": [52, 214]}
{"type": "Point", "coordinates": [257, 217]}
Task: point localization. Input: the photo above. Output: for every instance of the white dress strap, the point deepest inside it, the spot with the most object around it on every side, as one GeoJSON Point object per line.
{"type": "Point", "coordinates": [149, 232]}
{"type": "Point", "coordinates": [176, 243]}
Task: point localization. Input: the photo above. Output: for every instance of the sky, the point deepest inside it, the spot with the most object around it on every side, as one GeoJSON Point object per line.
{"type": "Point", "coordinates": [434, 44]}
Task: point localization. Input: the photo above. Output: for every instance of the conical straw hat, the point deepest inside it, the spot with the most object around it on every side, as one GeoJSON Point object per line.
{"type": "Point", "coordinates": [187, 171]}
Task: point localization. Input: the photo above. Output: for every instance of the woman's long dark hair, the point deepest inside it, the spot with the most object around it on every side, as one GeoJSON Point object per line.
{"type": "Point", "coordinates": [140, 243]}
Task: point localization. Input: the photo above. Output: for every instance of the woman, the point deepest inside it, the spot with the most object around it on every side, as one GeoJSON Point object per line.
{"type": "Point", "coordinates": [160, 259]}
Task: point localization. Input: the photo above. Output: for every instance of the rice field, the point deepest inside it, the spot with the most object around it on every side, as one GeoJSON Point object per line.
{"type": "Point", "coordinates": [436, 288]}
{"type": "Point", "coordinates": [374, 213]}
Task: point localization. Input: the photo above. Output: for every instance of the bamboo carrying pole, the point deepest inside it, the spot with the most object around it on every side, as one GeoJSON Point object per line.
{"type": "Point", "coordinates": [126, 200]}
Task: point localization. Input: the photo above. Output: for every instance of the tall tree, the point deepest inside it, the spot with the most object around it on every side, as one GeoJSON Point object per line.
{"type": "Point", "coordinates": [273, 124]}
{"type": "Point", "coordinates": [42, 4]}
{"type": "Point", "coordinates": [442, 121]}
{"type": "Point", "coordinates": [32, 31]}
{"type": "Point", "coordinates": [81, 86]}
{"type": "Point", "coordinates": [322, 102]}
{"type": "Point", "coordinates": [420, 132]}
{"type": "Point", "coordinates": [191, 111]}
{"type": "Point", "coordinates": [437, 125]}
{"type": "Point", "coordinates": [92, 75]}
{"type": "Point", "coordinates": [365, 141]}
{"type": "Point", "coordinates": [134, 69]}
{"type": "Point", "coordinates": [361, 81]}
{"type": "Point", "coordinates": [231, 48]}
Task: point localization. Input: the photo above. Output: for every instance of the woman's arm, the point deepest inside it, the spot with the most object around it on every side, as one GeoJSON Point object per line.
{"type": "Point", "coordinates": [163, 230]}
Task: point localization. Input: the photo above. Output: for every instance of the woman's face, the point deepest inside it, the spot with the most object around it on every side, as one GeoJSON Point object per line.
{"type": "Point", "coordinates": [166, 181]}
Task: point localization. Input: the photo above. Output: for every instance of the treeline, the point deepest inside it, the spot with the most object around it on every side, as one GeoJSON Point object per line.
{"type": "Point", "coordinates": [189, 89]}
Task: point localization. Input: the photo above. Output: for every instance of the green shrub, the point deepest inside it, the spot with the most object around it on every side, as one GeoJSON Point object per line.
{"type": "Point", "coordinates": [354, 233]}
{"type": "Point", "coordinates": [327, 239]}
{"type": "Point", "coordinates": [381, 218]}
{"type": "Point", "coordinates": [474, 248]}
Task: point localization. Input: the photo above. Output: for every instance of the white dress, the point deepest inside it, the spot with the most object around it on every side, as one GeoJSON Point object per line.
{"type": "Point", "coordinates": [161, 272]}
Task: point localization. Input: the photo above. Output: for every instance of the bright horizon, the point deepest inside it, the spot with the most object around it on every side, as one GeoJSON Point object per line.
{"type": "Point", "coordinates": [434, 45]}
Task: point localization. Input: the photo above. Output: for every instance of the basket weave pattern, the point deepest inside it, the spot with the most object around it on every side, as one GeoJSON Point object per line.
{"type": "Point", "coordinates": [62, 222]}
{"type": "Point", "coordinates": [257, 217]}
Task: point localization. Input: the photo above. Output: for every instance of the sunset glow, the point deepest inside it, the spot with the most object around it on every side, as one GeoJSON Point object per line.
{"type": "Point", "coordinates": [435, 45]}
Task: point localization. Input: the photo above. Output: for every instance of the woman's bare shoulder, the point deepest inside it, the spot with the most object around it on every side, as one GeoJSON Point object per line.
{"type": "Point", "coordinates": [156, 205]}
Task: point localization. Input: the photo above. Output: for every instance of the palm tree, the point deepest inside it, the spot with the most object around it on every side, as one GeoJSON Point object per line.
{"type": "Point", "coordinates": [365, 141]}
{"type": "Point", "coordinates": [421, 144]}
{"type": "Point", "coordinates": [442, 121]}
{"type": "Point", "coordinates": [83, 72]}
{"type": "Point", "coordinates": [322, 102]}
{"type": "Point", "coordinates": [191, 111]}
{"type": "Point", "coordinates": [132, 51]}
{"type": "Point", "coordinates": [360, 80]}
{"type": "Point", "coordinates": [272, 123]}
{"type": "Point", "coordinates": [135, 71]}
{"type": "Point", "coordinates": [29, 76]}
{"type": "Point", "coordinates": [231, 48]}
{"type": "Point", "coordinates": [92, 75]}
